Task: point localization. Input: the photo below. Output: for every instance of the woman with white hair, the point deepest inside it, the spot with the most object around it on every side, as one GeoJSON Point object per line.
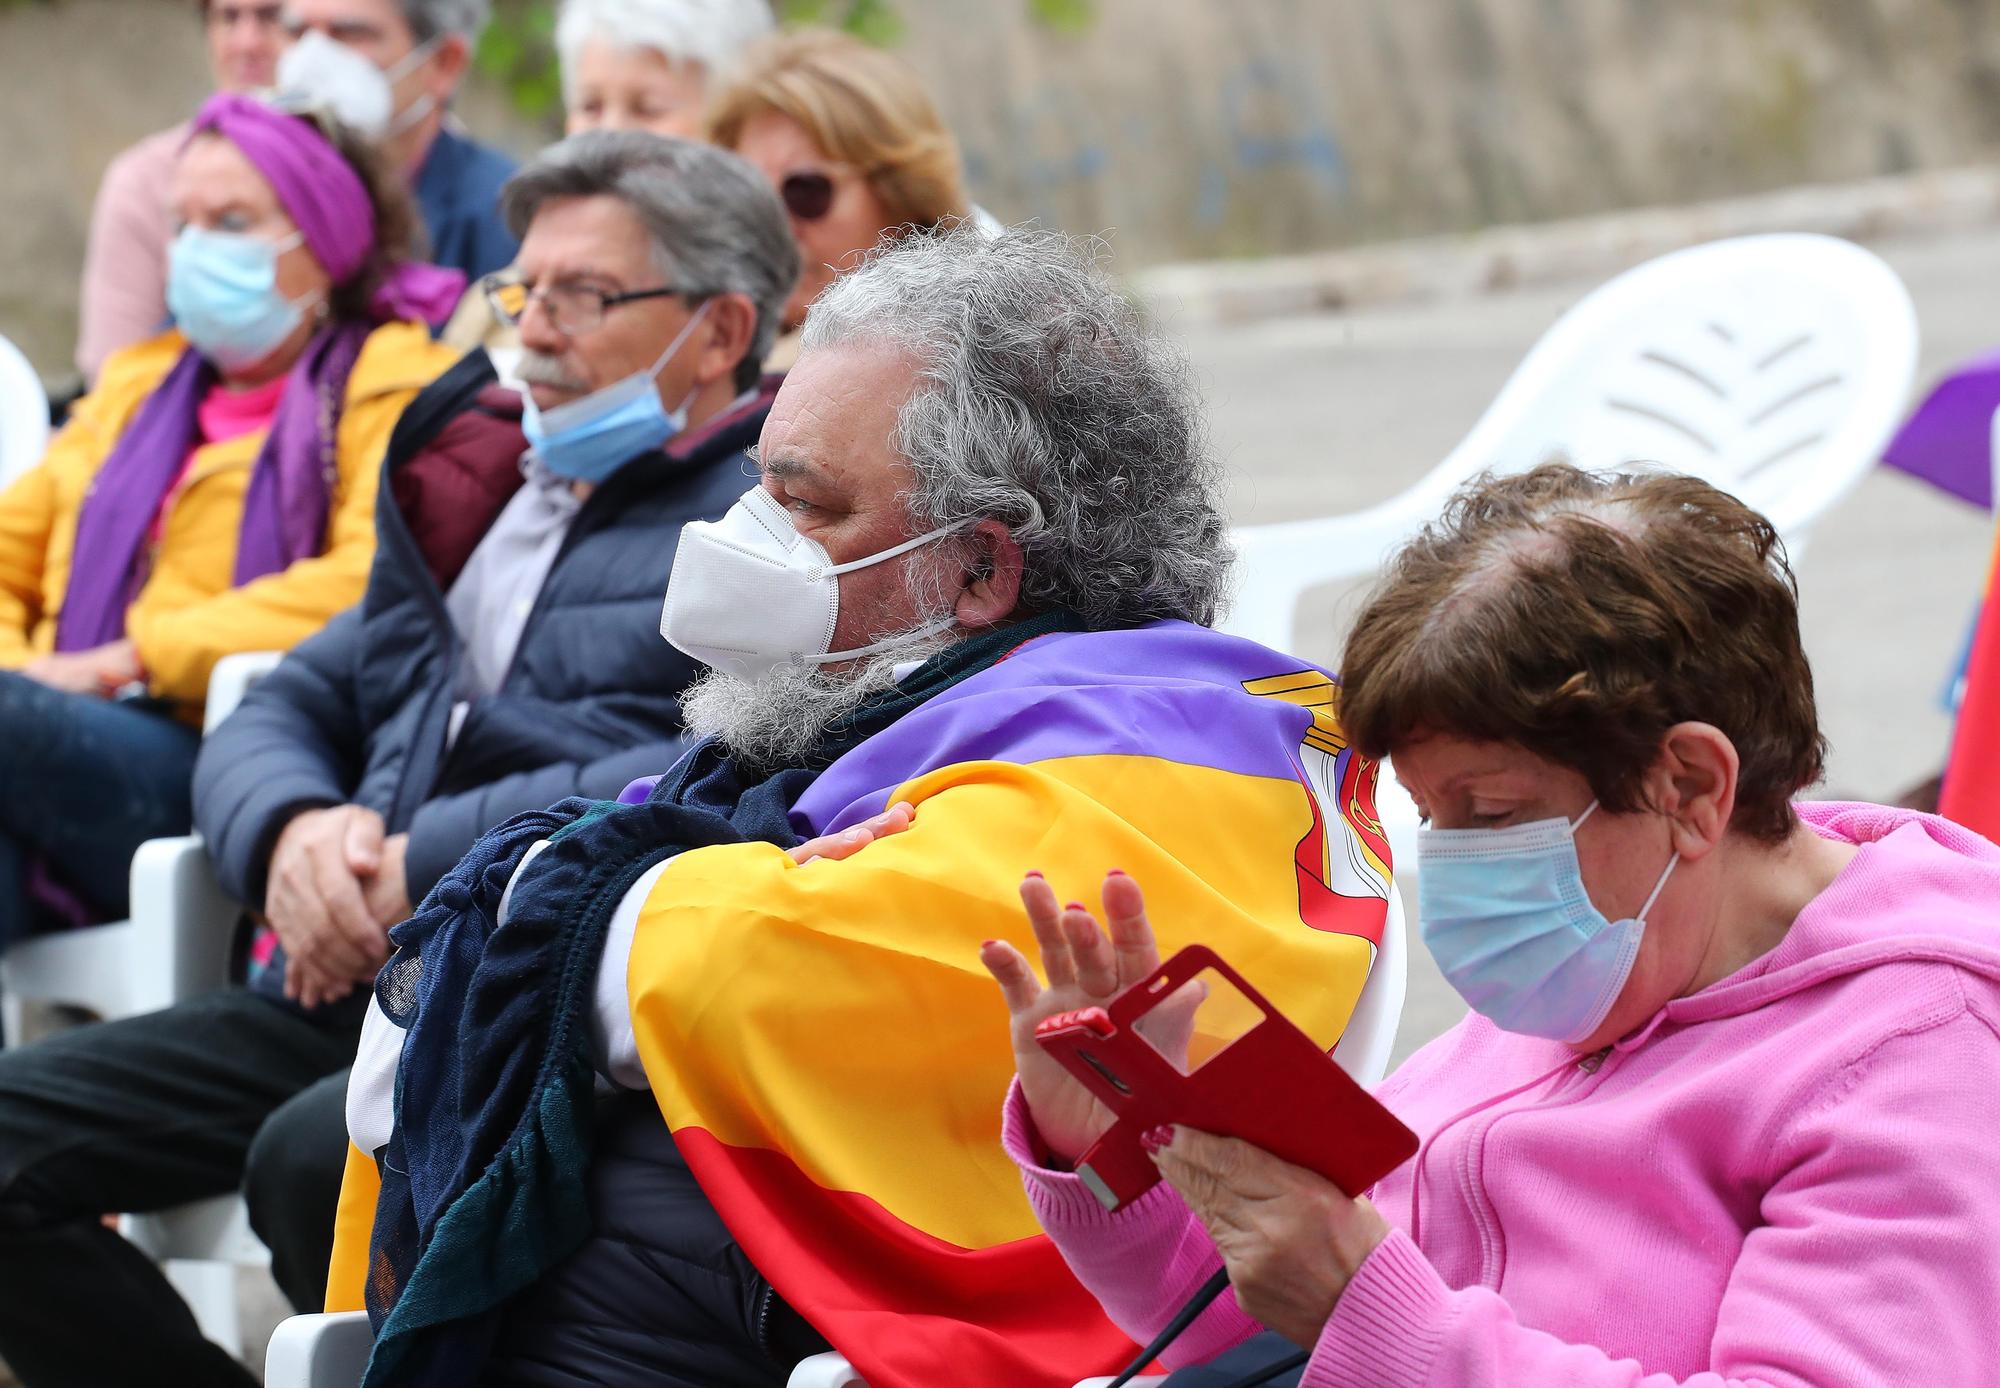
{"type": "Point", "coordinates": [648, 64]}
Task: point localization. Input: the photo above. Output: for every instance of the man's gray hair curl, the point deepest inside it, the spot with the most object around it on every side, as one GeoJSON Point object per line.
{"type": "Point", "coordinates": [1044, 402]}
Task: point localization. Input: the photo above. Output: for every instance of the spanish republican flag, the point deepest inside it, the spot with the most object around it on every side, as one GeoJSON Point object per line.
{"type": "Point", "coordinates": [831, 1057]}
{"type": "Point", "coordinates": [1971, 794]}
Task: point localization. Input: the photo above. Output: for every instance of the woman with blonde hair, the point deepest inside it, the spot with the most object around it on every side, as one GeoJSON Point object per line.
{"type": "Point", "coordinates": [849, 137]}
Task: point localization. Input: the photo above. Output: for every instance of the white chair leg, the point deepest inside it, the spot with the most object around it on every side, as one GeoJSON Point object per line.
{"type": "Point", "coordinates": [10, 1018]}
{"type": "Point", "coordinates": [209, 1289]}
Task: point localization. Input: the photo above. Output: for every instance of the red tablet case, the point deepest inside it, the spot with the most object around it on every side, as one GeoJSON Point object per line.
{"type": "Point", "coordinates": [1271, 1087]}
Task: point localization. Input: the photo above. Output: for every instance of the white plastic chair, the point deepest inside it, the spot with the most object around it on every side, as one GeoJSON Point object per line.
{"type": "Point", "coordinates": [319, 1351]}
{"type": "Point", "coordinates": [176, 945]}
{"type": "Point", "coordinates": [24, 414]}
{"type": "Point", "coordinates": [1775, 367]}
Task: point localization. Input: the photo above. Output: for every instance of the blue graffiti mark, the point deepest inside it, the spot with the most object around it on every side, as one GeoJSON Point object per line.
{"type": "Point", "coordinates": [1310, 145]}
{"type": "Point", "coordinates": [1075, 155]}
{"type": "Point", "coordinates": [1270, 114]}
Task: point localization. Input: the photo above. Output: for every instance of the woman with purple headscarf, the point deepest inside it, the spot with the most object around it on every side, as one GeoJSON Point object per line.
{"type": "Point", "coordinates": [214, 493]}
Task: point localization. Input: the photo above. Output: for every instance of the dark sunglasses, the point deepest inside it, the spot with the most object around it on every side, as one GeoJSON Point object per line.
{"type": "Point", "coordinates": [807, 196]}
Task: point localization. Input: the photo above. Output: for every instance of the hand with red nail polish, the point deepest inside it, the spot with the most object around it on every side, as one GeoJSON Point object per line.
{"type": "Point", "coordinates": [1084, 966]}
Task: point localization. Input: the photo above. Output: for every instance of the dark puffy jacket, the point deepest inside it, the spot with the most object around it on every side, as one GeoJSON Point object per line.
{"type": "Point", "coordinates": [359, 713]}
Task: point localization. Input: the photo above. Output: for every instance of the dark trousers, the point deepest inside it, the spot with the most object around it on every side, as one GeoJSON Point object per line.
{"type": "Point", "coordinates": [129, 1117]}
{"type": "Point", "coordinates": [83, 782]}
{"type": "Point", "coordinates": [291, 1182]}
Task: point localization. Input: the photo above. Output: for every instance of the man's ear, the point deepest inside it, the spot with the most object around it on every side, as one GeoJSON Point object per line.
{"type": "Point", "coordinates": [995, 587]}
{"type": "Point", "coordinates": [729, 327]}
{"type": "Point", "coordinates": [448, 66]}
{"type": "Point", "coordinates": [1696, 786]}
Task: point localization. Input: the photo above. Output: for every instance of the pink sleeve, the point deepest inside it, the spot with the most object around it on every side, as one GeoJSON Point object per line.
{"type": "Point", "coordinates": [124, 294]}
{"type": "Point", "coordinates": [1876, 1263]}
{"type": "Point", "coordinates": [1142, 1263]}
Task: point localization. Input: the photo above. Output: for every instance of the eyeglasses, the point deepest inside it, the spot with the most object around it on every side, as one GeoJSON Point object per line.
{"type": "Point", "coordinates": [573, 309]}
{"type": "Point", "coordinates": [807, 195]}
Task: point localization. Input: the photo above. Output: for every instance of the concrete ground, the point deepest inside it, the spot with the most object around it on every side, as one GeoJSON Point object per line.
{"type": "Point", "coordinates": [1322, 414]}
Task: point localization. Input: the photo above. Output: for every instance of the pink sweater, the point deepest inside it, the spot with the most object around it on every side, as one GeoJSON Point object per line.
{"type": "Point", "coordinates": [1789, 1178]}
{"type": "Point", "coordinates": [124, 297]}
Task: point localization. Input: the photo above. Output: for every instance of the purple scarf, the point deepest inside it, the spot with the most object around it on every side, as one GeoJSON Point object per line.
{"type": "Point", "coordinates": [285, 508]}
{"type": "Point", "coordinates": [284, 511]}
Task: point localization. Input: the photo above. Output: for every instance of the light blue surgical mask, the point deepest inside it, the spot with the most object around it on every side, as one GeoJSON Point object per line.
{"type": "Point", "coordinates": [1505, 914]}
{"type": "Point", "coordinates": [222, 289]}
{"type": "Point", "coordinates": [587, 440]}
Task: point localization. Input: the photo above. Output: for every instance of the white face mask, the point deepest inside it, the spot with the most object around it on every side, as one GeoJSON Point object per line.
{"type": "Point", "coordinates": [323, 72]}
{"type": "Point", "coordinates": [750, 593]}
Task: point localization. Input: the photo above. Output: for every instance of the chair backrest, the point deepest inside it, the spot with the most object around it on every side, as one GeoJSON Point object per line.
{"type": "Point", "coordinates": [24, 414]}
{"type": "Point", "coordinates": [1775, 367]}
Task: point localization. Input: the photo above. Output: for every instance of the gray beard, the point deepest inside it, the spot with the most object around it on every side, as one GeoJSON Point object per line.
{"type": "Point", "coordinates": [782, 715]}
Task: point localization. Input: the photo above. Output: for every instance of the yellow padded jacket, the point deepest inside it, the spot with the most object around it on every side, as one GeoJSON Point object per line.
{"type": "Point", "coordinates": [188, 616]}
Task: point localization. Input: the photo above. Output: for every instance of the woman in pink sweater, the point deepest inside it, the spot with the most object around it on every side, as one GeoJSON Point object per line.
{"type": "Point", "coordinates": [1726, 1111]}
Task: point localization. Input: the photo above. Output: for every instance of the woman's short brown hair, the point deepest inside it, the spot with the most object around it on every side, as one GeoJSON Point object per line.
{"type": "Point", "coordinates": [1580, 616]}
{"type": "Point", "coordinates": [862, 106]}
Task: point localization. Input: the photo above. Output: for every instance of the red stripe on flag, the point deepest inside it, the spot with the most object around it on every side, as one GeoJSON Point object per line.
{"type": "Point", "coordinates": [907, 1309]}
{"type": "Point", "coordinates": [1971, 793]}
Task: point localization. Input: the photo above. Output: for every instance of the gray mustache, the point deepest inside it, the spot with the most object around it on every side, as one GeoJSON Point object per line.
{"type": "Point", "coordinates": [535, 369]}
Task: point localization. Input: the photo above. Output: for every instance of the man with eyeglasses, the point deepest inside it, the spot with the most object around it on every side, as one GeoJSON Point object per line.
{"type": "Point", "coordinates": [124, 290]}
{"type": "Point", "coordinates": [391, 68]}
{"type": "Point", "coordinates": [506, 655]}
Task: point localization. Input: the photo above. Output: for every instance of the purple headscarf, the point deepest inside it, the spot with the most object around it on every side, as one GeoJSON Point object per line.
{"type": "Point", "coordinates": [290, 491]}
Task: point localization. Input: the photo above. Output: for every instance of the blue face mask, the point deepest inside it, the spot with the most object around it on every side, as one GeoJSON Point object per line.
{"type": "Point", "coordinates": [222, 289]}
{"type": "Point", "coordinates": [1505, 914]}
{"type": "Point", "coordinates": [587, 440]}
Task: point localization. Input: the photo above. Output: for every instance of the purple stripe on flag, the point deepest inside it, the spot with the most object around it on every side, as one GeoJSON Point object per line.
{"type": "Point", "coordinates": [1170, 691]}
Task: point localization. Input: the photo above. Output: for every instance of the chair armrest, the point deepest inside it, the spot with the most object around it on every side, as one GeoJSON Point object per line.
{"type": "Point", "coordinates": [182, 924]}
{"type": "Point", "coordinates": [323, 1351]}
{"type": "Point", "coordinates": [820, 1371]}
{"type": "Point", "coordinates": [231, 680]}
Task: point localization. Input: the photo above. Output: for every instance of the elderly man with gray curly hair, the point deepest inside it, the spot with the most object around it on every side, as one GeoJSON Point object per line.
{"type": "Point", "coordinates": [682, 1088]}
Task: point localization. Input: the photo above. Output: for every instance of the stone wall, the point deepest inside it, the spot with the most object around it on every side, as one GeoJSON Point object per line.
{"type": "Point", "coordinates": [1215, 128]}
{"type": "Point", "coordinates": [1201, 128]}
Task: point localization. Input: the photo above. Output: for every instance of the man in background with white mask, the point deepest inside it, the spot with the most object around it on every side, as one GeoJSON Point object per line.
{"type": "Point", "coordinates": [959, 628]}
{"type": "Point", "coordinates": [505, 654]}
{"type": "Point", "coordinates": [413, 55]}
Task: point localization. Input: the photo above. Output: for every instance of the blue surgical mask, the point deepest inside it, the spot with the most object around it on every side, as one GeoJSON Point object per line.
{"type": "Point", "coordinates": [1505, 914]}
{"type": "Point", "coordinates": [222, 289]}
{"type": "Point", "coordinates": [587, 440]}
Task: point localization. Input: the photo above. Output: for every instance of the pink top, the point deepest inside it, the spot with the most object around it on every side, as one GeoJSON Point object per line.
{"type": "Point", "coordinates": [1786, 1179]}
{"type": "Point", "coordinates": [223, 414]}
{"type": "Point", "coordinates": [124, 295]}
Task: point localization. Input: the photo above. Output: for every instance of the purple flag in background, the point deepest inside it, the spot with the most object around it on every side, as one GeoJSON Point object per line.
{"type": "Point", "coordinates": [1948, 441]}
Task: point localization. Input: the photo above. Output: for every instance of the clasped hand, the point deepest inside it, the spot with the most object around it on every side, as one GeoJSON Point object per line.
{"type": "Point", "coordinates": [336, 885]}
{"type": "Point", "coordinates": [1289, 1237]}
